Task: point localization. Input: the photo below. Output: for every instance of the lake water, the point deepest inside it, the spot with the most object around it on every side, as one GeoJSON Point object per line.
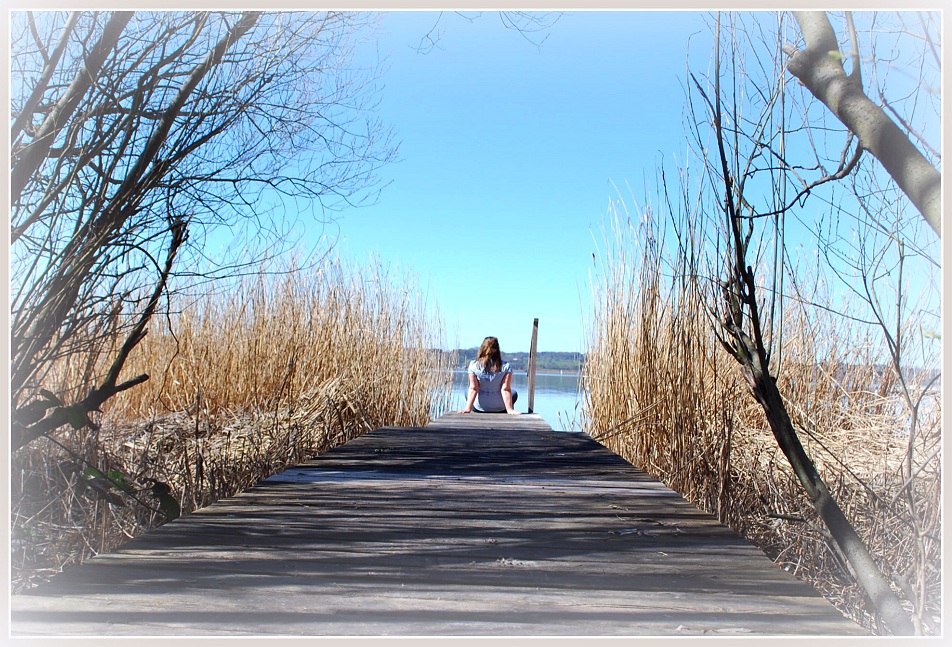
{"type": "Point", "coordinates": [557, 398]}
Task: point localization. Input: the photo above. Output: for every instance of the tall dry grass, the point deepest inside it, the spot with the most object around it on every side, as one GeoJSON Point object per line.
{"type": "Point", "coordinates": [245, 382]}
{"type": "Point", "coordinates": [663, 394]}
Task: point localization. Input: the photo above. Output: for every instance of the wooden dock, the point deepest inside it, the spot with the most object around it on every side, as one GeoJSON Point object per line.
{"type": "Point", "coordinates": [475, 525]}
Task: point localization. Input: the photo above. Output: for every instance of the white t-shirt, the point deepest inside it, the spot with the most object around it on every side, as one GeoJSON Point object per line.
{"type": "Point", "coordinates": [490, 387]}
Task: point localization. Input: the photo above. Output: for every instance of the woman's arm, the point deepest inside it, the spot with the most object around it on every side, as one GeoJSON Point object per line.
{"type": "Point", "coordinates": [507, 394]}
{"type": "Point", "coordinates": [471, 396]}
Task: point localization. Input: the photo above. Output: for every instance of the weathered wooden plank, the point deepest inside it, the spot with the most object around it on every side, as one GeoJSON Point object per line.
{"type": "Point", "coordinates": [475, 525]}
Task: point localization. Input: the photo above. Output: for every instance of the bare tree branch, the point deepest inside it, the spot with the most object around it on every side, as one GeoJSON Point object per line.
{"type": "Point", "coordinates": [818, 66]}
{"type": "Point", "coordinates": [29, 159]}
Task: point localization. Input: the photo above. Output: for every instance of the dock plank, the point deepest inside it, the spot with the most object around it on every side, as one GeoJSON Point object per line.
{"type": "Point", "coordinates": [473, 525]}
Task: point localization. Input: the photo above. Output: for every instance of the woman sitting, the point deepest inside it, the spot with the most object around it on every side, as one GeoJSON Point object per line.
{"type": "Point", "coordinates": [490, 381]}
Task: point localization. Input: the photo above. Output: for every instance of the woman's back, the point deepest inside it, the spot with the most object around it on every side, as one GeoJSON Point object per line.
{"type": "Point", "coordinates": [490, 386]}
{"type": "Point", "coordinates": [490, 381]}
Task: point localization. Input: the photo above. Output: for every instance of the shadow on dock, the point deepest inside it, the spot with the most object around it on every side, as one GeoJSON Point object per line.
{"type": "Point", "coordinates": [474, 525]}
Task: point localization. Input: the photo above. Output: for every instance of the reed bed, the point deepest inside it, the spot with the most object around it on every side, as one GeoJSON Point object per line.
{"type": "Point", "coordinates": [244, 383]}
{"type": "Point", "coordinates": [662, 393]}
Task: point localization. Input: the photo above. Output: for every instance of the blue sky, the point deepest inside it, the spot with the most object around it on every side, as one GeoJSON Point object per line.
{"type": "Point", "coordinates": [509, 156]}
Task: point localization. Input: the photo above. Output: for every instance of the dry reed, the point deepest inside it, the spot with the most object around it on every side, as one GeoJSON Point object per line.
{"type": "Point", "coordinates": [663, 394]}
{"type": "Point", "coordinates": [244, 383]}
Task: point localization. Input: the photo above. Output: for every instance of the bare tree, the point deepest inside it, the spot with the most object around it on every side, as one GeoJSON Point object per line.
{"type": "Point", "coordinates": [885, 259]}
{"type": "Point", "coordinates": [759, 130]}
{"type": "Point", "coordinates": [138, 136]}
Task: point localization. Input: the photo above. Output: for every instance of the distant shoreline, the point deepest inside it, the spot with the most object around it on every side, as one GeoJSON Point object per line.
{"type": "Point", "coordinates": [539, 371]}
{"type": "Point", "coordinates": [547, 362]}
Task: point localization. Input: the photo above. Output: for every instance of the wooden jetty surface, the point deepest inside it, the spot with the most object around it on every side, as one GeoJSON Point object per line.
{"type": "Point", "coordinates": [475, 525]}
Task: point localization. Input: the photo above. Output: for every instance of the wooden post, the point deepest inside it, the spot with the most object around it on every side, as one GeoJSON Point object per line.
{"type": "Point", "coordinates": [531, 368]}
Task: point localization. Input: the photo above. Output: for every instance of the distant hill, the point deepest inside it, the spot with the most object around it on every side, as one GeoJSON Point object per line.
{"type": "Point", "coordinates": [545, 360]}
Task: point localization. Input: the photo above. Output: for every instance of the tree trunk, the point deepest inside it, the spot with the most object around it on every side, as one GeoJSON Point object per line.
{"type": "Point", "coordinates": [866, 571]}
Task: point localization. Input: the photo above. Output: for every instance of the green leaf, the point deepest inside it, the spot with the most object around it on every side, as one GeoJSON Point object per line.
{"type": "Point", "coordinates": [120, 480]}
{"type": "Point", "coordinates": [169, 506]}
{"type": "Point", "coordinates": [92, 473]}
{"type": "Point", "coordinates": [102, 486]}
{"type": "Point", "coordinates": [76, 416]}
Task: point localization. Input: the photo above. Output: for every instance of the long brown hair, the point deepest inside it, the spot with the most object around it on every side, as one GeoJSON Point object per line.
{"type": "Point", "coordinates": [490, 357]}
